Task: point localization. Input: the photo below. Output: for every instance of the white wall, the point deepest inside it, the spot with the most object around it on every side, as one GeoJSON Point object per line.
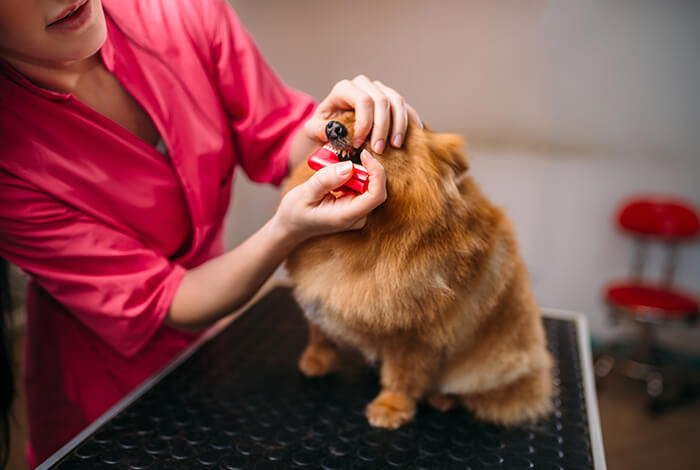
{"type": "Point", "coordinates": [568, 106]}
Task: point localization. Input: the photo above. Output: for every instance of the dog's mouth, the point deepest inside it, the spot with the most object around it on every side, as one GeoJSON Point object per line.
{"type": "Point", "coordinates": [345, 153]}
{"type": "Point", "coordinates": [340, 143]}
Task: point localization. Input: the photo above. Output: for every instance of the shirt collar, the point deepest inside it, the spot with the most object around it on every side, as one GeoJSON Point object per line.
{"type": "Point", "coordinates": [107, 51]}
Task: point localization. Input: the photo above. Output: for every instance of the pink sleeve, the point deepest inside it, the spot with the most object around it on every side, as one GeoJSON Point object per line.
{"type": "Point", "coordinates": [264, 113]}
{"type": "Point", "coordinates": [112, 283]}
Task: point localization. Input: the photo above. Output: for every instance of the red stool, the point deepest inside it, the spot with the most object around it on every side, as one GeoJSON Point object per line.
{"type": "Point", "coordinates": [647, 303]}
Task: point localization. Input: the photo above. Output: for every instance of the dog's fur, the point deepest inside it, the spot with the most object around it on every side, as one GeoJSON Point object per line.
{"type": "Point", "coordinates": [433, 287]}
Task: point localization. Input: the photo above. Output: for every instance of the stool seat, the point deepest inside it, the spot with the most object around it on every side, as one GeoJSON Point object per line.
{"type": "Point", "coordinates": [651, 300]}
{"type": "Point", "coordinates": [661, 217]}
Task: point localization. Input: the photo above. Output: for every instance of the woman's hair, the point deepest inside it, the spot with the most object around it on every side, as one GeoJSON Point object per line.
{"type": "Point", "coordinates": [7, 390]}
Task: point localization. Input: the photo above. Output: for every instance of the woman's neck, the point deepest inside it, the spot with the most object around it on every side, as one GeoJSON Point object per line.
{"type": "Point", "coordinates": [60, 77]}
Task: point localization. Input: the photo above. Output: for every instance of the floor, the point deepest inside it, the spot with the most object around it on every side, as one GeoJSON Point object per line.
{"type": "Point", "coordinates": [632, 438]}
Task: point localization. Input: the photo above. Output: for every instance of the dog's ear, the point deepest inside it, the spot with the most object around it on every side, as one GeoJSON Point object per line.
{"type": "Point", "coordinates": [446, 147]}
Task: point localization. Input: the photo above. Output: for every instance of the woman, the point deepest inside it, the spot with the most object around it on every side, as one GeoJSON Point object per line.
{"type": "Point", "coordinates": [120, 131]}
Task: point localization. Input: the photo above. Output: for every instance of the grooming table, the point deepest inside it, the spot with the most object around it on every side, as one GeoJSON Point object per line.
{"type": "Point", "coordinates": [235, 400]}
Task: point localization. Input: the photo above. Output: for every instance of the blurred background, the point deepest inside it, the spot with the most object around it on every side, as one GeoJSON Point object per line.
{"type": "Point", "coordinates": [568, 107]}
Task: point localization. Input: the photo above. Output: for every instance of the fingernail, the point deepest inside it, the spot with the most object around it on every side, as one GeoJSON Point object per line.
{"type": "Point", "coordinates": [398, 140]}
{"type": "Point", "coordinates": [320, 131]}
{"type": "Point", "coordinates": [378, 146]}
{"type": "Point", "coordinates": [344, 169]}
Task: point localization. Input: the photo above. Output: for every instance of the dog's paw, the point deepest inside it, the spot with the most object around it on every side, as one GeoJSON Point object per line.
{"type": "Point", "coordinates": [316, 362]}
{"type": "Point", "coordinates": [390, 410]}
{"type": "Point", "coordinates": [442, 402]}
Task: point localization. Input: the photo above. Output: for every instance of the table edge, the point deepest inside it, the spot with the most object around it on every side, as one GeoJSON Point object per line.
{"type": "Point", "coordinates": [586, 355]}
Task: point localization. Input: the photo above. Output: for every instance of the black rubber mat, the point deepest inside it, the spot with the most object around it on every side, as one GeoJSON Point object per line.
{"type": "Point", "coordinates": [239, 402]}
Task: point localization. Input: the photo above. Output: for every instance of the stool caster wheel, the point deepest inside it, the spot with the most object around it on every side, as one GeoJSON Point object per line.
{"type": "Point", "coordinates": [655, 384]}
{"type": "Point", "coordinates": [603, 366]}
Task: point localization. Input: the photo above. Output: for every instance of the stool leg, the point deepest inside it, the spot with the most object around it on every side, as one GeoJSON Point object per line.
{"type": "Point", "coordinates": [646, 354]}
{"type": "Point", "coordinates": [652, 376]}
{"type": "Point", "coordinates": [639, 259]}
{"type": "Point", "coordinates": [671, 262]}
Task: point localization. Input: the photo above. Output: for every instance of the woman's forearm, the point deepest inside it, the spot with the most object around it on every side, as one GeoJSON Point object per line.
{"type": "Point", "coordinates": [225, 283]}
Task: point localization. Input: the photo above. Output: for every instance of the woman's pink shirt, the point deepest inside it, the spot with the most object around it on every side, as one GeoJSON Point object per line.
{"type": "Point", "coordinates": [104, 224]}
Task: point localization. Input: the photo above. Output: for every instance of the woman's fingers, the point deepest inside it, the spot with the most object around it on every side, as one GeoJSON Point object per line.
{"type": "Point", "coordinates": [310, 209]}
{"type": "Point", "coordinates": [379, 109]}
{"type": "Point", "coordinates": [361, 222]}
{"type": "Point", "coordinates": [347, 95]}
{"type": "Point", "coordinates": [356, 206]}
{"type": "Point", "coordinates": [382, 112]}
{"type": "Point", "coordinates": [399, 114]}
{"type": "Point", "coordinates": [326, 180]}
{"type": "Point", "coordinates": [376, 189]}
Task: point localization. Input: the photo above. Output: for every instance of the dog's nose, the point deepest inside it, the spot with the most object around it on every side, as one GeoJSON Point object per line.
{"type": "Point", "coordinates": [335, 130]}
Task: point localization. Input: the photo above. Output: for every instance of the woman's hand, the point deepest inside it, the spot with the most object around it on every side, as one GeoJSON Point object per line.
{"type": "Point", "coordinates": [377, 107]}
{"type": "Point", "coordinates": [310, 210]}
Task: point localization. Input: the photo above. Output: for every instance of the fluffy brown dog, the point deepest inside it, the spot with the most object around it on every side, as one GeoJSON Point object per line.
{"type": "Point", "coordinates": [433, 287]}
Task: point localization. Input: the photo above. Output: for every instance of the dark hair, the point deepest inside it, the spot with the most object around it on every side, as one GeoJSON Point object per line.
{"type": "Point", "coordinates": [8, 390]}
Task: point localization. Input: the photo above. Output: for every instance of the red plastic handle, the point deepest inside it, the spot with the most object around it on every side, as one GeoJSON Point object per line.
{"type": "Point", "coordinates": [323, 157]}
